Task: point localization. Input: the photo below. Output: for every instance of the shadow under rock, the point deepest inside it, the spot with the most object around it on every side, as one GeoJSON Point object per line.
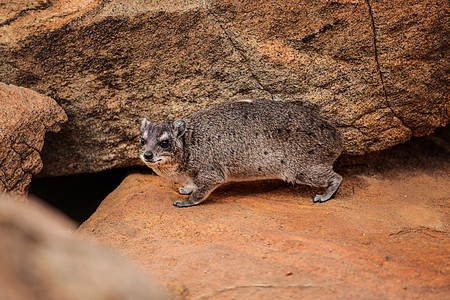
{"type": "Point", "coordinates": [78, 196]}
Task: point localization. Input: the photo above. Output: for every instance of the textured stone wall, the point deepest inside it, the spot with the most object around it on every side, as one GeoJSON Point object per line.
{"type": "Point", "coordinates": [379, 69]}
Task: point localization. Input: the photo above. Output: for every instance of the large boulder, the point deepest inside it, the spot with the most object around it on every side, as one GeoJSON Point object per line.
{"type": "Point", "coordinates": [40, 258]}
{"type": "Point", "coordinates": [25, 117]}
{"type": "Point", "coordinates": [384, 236]}
{"type": "Point", "coordinates": [379, 69]}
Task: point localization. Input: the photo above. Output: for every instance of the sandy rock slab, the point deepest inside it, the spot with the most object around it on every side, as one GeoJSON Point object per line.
{"type": "Point", "coordinates": [385, 236]}
{"type": "Point", "coordinates": [25, 117]}
{"type": "Point", "coordinates": [40, 258]}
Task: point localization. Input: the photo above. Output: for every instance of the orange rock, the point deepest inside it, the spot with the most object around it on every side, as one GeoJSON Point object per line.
{"type": "Point", "coordinates": [383, 236]}
{"type": "Point", "coordinates": [25, 117]}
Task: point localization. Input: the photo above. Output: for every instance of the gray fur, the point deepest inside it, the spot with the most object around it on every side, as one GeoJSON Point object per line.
{"type": "Point", "coordinates": [244, 140]}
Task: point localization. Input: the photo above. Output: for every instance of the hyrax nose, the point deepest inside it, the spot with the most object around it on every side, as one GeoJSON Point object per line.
{"type": "Point", "coordinates": [148, 155]}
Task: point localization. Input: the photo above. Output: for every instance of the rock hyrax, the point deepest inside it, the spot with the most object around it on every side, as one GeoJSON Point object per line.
{"type": "Point", "coordinates": [240, 141]}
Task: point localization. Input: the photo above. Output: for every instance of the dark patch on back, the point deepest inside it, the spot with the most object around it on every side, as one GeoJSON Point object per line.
{"type": "Point", "coordinates": [311, 134]}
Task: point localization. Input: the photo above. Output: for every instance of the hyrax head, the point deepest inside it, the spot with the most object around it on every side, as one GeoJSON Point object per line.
{"type": "Point", "coordinates": [161, 142]}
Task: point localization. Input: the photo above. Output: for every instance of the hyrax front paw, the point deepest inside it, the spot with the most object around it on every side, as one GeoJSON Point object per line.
{"type": "Point", "coordinates": [184, 191]}
{"type": "Point", "coordinates": [183, 203]}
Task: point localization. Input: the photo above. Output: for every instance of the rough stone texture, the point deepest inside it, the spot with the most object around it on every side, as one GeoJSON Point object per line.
{"type": "Point", "coordinates": [25, 117]}
{"type": "Point", "coordinates": [384, 236]}
{"type": "Point", "coordinates": [378, 68]}
{"type": "Point", "coordinates": [41, 259]}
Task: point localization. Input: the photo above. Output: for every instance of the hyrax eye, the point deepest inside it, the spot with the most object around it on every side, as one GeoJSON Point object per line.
{"type": "Point", "coordinates": [164, 144]}
{"type": "Point", "coordinates": [142, 141]}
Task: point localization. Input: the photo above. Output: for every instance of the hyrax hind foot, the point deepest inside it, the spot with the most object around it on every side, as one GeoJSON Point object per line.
{"type": "Point", "coordinates": [319, 198]}
{"type": "Point", "coordinates": [333, 186]}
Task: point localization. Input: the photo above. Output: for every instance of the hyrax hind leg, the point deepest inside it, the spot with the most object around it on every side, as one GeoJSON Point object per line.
{"type": "Point", "coordinates": [333, 186]}
{"type": "Point", "coordinates": [323, 177]}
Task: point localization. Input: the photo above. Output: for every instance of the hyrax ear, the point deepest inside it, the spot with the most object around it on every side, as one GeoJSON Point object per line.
{"type": "Point", "coordinates": [179, 127]}
{"type": "Point", "coordinates": [145, 124]}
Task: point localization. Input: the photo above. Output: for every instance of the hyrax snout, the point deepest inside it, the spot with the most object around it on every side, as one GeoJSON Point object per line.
{"type": "Point", "coordinates": [243, 140]}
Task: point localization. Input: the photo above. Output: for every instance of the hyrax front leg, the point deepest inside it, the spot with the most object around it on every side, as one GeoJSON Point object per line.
{"type": "Point", "coordinates": [197, 196]}
{"type": "Point", "coordinates": [185, 191]}
{"type": "Point", "coordinates": [202, 187]}
{"type": "Point", "coordinates": [188, 187]}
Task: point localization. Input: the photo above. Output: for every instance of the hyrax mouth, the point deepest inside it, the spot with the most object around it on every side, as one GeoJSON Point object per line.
{"type": "Point", "coordinates": [153, 161]}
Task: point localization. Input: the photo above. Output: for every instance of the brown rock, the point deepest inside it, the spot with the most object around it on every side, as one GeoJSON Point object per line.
{"type": "Point", "coordinates": [25, 117]}
{"type": "Point", "coordinates": [413, 54]}
{"type": "Point", "coordinates": [384, 236]}
{"type": "Point", "coordinates": [40, 259]}
{"type": "Point", "coordinates": [379, 69]}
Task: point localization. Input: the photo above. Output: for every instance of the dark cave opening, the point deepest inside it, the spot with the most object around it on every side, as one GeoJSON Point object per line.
{"type": "Point", "coordinates": [78, 196]}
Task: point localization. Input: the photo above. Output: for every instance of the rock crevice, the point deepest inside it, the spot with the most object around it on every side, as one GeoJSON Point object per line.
{"type": "Point", "coordinates": [236, 46]}
{"type": "Point", "coordinates": [375, 50]}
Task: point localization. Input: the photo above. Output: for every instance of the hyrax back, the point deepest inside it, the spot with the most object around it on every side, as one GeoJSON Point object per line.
{"type": "Point", "coordinates": [244, 140]}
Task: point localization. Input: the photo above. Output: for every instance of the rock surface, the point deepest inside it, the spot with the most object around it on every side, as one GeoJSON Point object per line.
{"type": "Point", "coordinates": [25, 118]}
{"type": "Point", "coordinates": [379, 69]}
{"type": "Point", "coordinates": [384, 236]}
{"type": "Point", "coordinates": [41, 259]}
